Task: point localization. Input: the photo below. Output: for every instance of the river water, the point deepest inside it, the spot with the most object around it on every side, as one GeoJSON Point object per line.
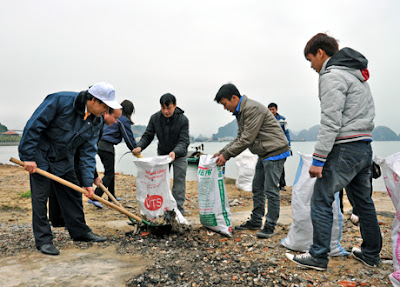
{"type": "Point", "coordinates": [124, 163]}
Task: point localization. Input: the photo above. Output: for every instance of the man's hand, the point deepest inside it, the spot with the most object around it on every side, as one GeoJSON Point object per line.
{"type": "Point", "coordinates": [216, 154]}
{"type": "Point", "coordinates": [221, 160]}
{"type": "Point", "coordinates": [137, 151]}
{"type": "Point", "coordinates": [172, 155]}
{"type": "Point", "coordinates": [97, 181]}
{"type": "Point", "coordinates": [30, 166]}
{"type": "Point", "coordinates": [90, 191]}
{"type": "Point", "coordinates": [315, 171]}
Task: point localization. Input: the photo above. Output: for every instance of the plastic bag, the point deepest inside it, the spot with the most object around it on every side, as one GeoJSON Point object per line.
{"type": "Point", "coordinates": [246, 167]}
{"type": "Point", "coordinates": [153, 188]}
{"type": "Point", "coordinates": [300, 235]}
{"type": "Point", "coordinates": [390, 168]}
{"type": "Point", "coordinates": [214, 208]}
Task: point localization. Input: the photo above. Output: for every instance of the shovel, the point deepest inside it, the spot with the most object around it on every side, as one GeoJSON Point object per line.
{"type": "Point", "coordinates": [116, 202]}
{"type": "Point", "coordinates": [157, 228]}
{"type": "Point", "coordinates": [110, 196]}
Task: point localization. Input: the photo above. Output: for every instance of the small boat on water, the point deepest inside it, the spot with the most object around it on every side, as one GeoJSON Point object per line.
{"type": "Point", "coordinates": [194, 154]}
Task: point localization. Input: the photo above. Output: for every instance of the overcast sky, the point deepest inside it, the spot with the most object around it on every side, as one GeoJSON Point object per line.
{"type": "Point", "coordinates": [190, 49]}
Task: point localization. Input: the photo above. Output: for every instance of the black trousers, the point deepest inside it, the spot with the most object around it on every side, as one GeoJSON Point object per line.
{"type": "Point", "coordinates": [70, 203]}
{"type": "Point", "coordinates": [282, 181]}
{"type": "Point", "coordinates": [55, 215]}
{"type": "Point", "coordinates": [108, 160]}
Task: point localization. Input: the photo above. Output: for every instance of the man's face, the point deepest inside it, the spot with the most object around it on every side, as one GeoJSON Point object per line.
{"type": "Point", "coordinates": [317, 61]}
{"type": "Point", "coordinates": [273, 110]}
{"type": "Point", "coordinates": [168, 111]}
{"type": "Point", "coordinates": [112, 119]}
{"type": "Point", "coordinates": [230, 105]}
{"type": "Point", "coordinates": [96, 108]}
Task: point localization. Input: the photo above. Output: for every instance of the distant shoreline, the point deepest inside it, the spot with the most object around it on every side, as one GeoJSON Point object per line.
{"type": "Point", "coordinates": [9, 143]}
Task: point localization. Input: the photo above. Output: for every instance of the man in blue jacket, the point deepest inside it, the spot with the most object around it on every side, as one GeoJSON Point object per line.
{"type": "Point", "coordinates": [113, 135]}
{"type": "Point", "coordinates": [284, 125]}
{"type": "Point", "coordinates": [172, 129]}
{"type": "Point", "coordinates": [65, 124]}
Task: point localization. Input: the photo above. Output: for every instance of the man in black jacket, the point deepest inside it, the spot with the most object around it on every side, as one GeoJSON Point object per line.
{"type": "Point", "coordinates": [172, 129]}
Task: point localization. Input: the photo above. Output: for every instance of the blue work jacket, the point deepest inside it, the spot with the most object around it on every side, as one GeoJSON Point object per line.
{"type": "Point", "coordinates": [57, 131]}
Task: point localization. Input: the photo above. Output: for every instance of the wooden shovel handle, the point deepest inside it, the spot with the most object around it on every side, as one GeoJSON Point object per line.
{"type": "Point", "coordinates": [116, 202]}
{"type": "Point", "coordinates": [80, 189]}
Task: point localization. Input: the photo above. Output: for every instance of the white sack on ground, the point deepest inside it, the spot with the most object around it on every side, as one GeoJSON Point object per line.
{"type": "Point", "coordinates": [214, 208]}
{"type": "Point", "coordinates": [246, 166]}
{"type": "Point", "coordinates": [153, 188]}
{"type": "Point", "coordinates": [390, 167]}
{"type": "Point", "coordinates": [300, 235]}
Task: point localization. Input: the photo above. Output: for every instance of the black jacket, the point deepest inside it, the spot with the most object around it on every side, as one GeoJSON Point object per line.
{"type": "Point", "coordinates": [172, 133]}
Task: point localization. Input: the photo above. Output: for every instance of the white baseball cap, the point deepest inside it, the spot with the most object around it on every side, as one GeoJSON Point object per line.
{"type": "Point", "coordinates": [105, 92]}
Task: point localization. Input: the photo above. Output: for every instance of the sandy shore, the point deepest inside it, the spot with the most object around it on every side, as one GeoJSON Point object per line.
{"type": "Point", "coordinates": [228, 259]}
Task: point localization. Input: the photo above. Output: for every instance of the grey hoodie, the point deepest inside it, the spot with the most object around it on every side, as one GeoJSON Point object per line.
{"type": "Point", "coordinates": [347, 106]}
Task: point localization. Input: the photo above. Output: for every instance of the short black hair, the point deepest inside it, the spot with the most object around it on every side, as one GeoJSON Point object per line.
{"type": "Point", "coordinates": [324, 42]}
{"type": "Point", "coordinates": [167, 99]}
{"type": "Point", "coordinates": [273, 105]}
{"type": "Point", "coordinates": [227, 91]}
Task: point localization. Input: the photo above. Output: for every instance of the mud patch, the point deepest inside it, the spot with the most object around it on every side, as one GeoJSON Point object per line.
{"type": "Point", "coordinates": [91, 267]}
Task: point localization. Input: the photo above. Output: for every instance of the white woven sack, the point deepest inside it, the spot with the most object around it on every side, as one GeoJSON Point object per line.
{"type": "Point", "coordinates": [153, 187]}
{"type": "Point", "coordinates": [246, 166]}
{"type": "Point", "coordinates": [300, 235]}
{"type": "Point", "coordinates": [214, 208]}
{"type": "Point", "coordinates": [390, 168]}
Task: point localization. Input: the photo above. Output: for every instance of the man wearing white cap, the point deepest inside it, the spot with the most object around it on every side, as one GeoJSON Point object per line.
{"type": "Point", "coordinates": [65, 124]}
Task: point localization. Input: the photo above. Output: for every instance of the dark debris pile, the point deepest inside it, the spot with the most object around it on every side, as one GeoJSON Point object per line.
{"type": "Point", "coordinates": [198, 257]}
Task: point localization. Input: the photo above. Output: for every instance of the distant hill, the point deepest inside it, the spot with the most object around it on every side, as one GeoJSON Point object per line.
{"type": "Point", "coordinates": [227, 131]}
{"type": "Point", "coordinates": [3, 128]}
{"type": "Point", "coordinates": [138, 130]}
{"type": "Point", "coordinates": [380, 133]}
{"type": "Point", "coordinates": [305, 135]}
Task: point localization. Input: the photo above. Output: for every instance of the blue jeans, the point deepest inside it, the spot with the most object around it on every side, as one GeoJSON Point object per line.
{"type": "Point", "coordinates": [265, 185]}
{"type": "Point", "coordinates": [348, 165]}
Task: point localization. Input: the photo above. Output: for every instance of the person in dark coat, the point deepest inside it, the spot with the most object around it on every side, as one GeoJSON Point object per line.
{"type": "Point", "coordinates": [172, 129]}
{"type": "Point", "coordinates": [56, 219]}
{"type": "Point", "coordinates": [65, 124]}
{"type": "Point", "coordinates": [113, 135]}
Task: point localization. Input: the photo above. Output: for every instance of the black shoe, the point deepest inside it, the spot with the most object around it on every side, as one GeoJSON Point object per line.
{"type": "Point", "coordinates": [48, 249]}
{"type": "Point", "coordinates": [306, 260]}
{"type": "Point", "coordinates": [90, 237]}
{"type": "Point", "coordinates": [357, 254]}
{"type": "Point", "coordinates": [57, 223]}
{"type": "Point", "coordinates": [266, 232]}
{"type": "Point", "coordinates": [247, 226]}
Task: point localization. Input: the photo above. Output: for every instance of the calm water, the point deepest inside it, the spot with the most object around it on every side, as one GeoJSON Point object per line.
{"type": "Point", "coordinates": [125, 164]}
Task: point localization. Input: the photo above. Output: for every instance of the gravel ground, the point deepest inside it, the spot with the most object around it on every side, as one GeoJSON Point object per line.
{"type": "Point", "coordinates": [195, 256]}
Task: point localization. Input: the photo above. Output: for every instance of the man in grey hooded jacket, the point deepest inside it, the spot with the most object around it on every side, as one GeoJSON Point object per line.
{"type": "Point", "coordinates": [342, 156]}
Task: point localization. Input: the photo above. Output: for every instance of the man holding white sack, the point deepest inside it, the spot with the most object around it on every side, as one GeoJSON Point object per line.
{"type": "Point", "coordinates": [260, 132]}
{"type": "Point", "coordinates": [172, 129]}
{"type": "Point", "coordinates": [342, 155]}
